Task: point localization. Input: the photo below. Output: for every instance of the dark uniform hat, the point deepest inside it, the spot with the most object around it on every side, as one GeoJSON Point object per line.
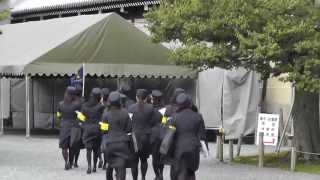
{"type": "Point", "coordinates": [114, 96]}
{"type": "Point", "coordinates": [176, 92]}
{"type": "Point", "coordinates": [142, 93]}
{"type": "Point", "coordinates": [96, 92]}
{"type": "Point", "coordinates": [183, 100]}
{"type": "Point", "coordinates": [105, 92]}
{"type": "Point", "coordinates": [156, 93]}
{"type": "Point", "coordinates": [71, 90]}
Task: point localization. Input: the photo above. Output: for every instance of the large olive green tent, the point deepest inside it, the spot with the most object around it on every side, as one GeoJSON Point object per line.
{"type": "Point", "coordinates": [109, 47]}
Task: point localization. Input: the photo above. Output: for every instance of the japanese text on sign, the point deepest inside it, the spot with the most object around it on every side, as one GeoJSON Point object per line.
{"type": "Point", "coordinates": [269, 125]}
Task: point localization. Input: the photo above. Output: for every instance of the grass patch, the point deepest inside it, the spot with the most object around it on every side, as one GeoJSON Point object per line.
{"type": "Point", "coordinates": [281, 161]}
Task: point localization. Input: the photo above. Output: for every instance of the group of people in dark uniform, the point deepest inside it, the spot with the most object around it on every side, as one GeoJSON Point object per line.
{"type": "Point", "coordinates": [120, 133]}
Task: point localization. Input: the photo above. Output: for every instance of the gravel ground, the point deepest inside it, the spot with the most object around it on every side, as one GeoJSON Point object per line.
{"type": "Point", "coordinates": [39, 158]}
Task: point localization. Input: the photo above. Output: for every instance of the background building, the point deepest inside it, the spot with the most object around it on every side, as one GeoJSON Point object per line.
{"type": "Point", "coordinates": [33, 10]}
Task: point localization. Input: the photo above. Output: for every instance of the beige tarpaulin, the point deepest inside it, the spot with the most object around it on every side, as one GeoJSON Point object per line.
{"type": "Point", "coordinates": [229, 99]}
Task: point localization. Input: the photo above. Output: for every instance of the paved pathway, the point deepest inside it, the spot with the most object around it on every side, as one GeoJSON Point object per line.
{"type": "Point", "coordinates": [39, 158]}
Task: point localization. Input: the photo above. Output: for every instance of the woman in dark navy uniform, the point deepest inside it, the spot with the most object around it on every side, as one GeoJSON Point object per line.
{"type": "Point", "coordinates": [142, 123]}
{"type": "Point", "coordinates": [116, 124]}
{"type": "Point", "coordinates": [104, 101]}
{"type": "Point", "coordinates": [91, 113]}
{"type": "Point", "coordinates": [186, 144]}
{"type": "Point", "coordinates": [170, 110]}
{"type": "Point", "coordinates": [156, 100]}
{"type": "Point", "coordinates": [67, 113]}
{"type": "Point", "coordinates": [79, 145]}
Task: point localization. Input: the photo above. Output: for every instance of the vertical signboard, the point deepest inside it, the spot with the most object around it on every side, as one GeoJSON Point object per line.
{"type": "Point", "coordinates": [269, 125]}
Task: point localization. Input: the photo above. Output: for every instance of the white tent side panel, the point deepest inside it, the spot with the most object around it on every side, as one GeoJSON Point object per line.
{"type": "Point", "coordinates": [18, 102]}
{"type": "Point", "coordinates": [43, 91]}
{"type": "Point", "coordinates": [5, 92]}
{"type": "Point", "coordinates": [210, 92]}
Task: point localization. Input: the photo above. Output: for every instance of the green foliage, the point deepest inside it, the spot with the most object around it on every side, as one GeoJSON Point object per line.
{"type": "Point", "coordinates": [269, 36]}
{"type": "Point", "coordinates": [4, 14]}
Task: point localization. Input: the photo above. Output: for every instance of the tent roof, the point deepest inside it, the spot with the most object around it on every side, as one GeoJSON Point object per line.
{"type": "Point", "coordinates": [110, 47]}
{"type": "Point", "coordinates": [22, 43]}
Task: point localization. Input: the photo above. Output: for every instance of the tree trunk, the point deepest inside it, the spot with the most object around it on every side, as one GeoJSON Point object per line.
{"type": "Point", "coordinates": [306, 123]}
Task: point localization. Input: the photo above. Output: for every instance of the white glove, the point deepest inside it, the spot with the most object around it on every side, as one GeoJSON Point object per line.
{"type": "Point", "coordinates": [204, 149]}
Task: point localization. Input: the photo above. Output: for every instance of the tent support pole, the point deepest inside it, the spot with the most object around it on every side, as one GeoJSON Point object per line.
{"type": "Point", "coordinates": [118, 83]}
{"type": "Point", "coordinates": [27, 107]}
{"type": "Point", "coordinates": [1, 102]}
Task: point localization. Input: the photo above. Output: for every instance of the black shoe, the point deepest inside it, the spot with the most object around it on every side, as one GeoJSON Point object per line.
{"type": "Point", "coordinates": [89, 171]}
{"type": "Point", "coordinates": [67, 166]}
{"type": "Point", "coordinates": [94, 169]}
{"type": "Point", "coordinates": [100, 164]}
{"type": "Point", "coordinates": [75, 166]}
{"type": "Point", "coordinates": [70, 165]}
{"type": "Point", "coordinates": [104, 167]}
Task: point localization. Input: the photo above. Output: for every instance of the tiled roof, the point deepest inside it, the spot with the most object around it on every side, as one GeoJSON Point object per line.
{"type": "Point", "coordinates": [53, 7]}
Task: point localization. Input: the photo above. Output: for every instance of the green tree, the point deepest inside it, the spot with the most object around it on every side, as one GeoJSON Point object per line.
{"type": "Point", "coordinates": [4, 14]}
{"type": "Point", "coordinates": [271, 37]}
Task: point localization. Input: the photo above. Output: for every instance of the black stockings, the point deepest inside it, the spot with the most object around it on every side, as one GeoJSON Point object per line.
{"type": "Point", "coordinates": [109, 173]}
{"type": "Point", "coordinates": [76, 157]}
{"type": "Point", "coordinates": [89, 159]}
{"type": "Point", "coordinates": [121, 173]}
{"type": "Point", "coordinates": [183, 174]}
{"type": "Point", "coordinates": [143, 168]}
{"type": "Point", "coordinates": [157, 168]}
{"type": "Point", "coordinates": [65, 155]}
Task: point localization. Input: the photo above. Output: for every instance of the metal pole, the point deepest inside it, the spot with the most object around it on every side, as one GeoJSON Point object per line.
{"type": "Point", "coordinates": [218, 145]}
{"type": "Point", "coordinates": [83, 78]}
{"type": "Point", "coordinates": [231, 150]}
{"type": "Point", "coordinates": [1, 101]}
{"type": "Point", "coordinates": [118, 83]}
{"type": "Point", "coordinates": [261, 149]}
{"type": "Point", "coordinates": [239, 144]}
{"type": "Point", "coordinates": [293, 159]}
{"type": "Point", "coordinates": [221, 148]}
{"type": "Point", "coordinates": [281, 124]}
{"type": "Point", "coordinates": [27, 107]}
